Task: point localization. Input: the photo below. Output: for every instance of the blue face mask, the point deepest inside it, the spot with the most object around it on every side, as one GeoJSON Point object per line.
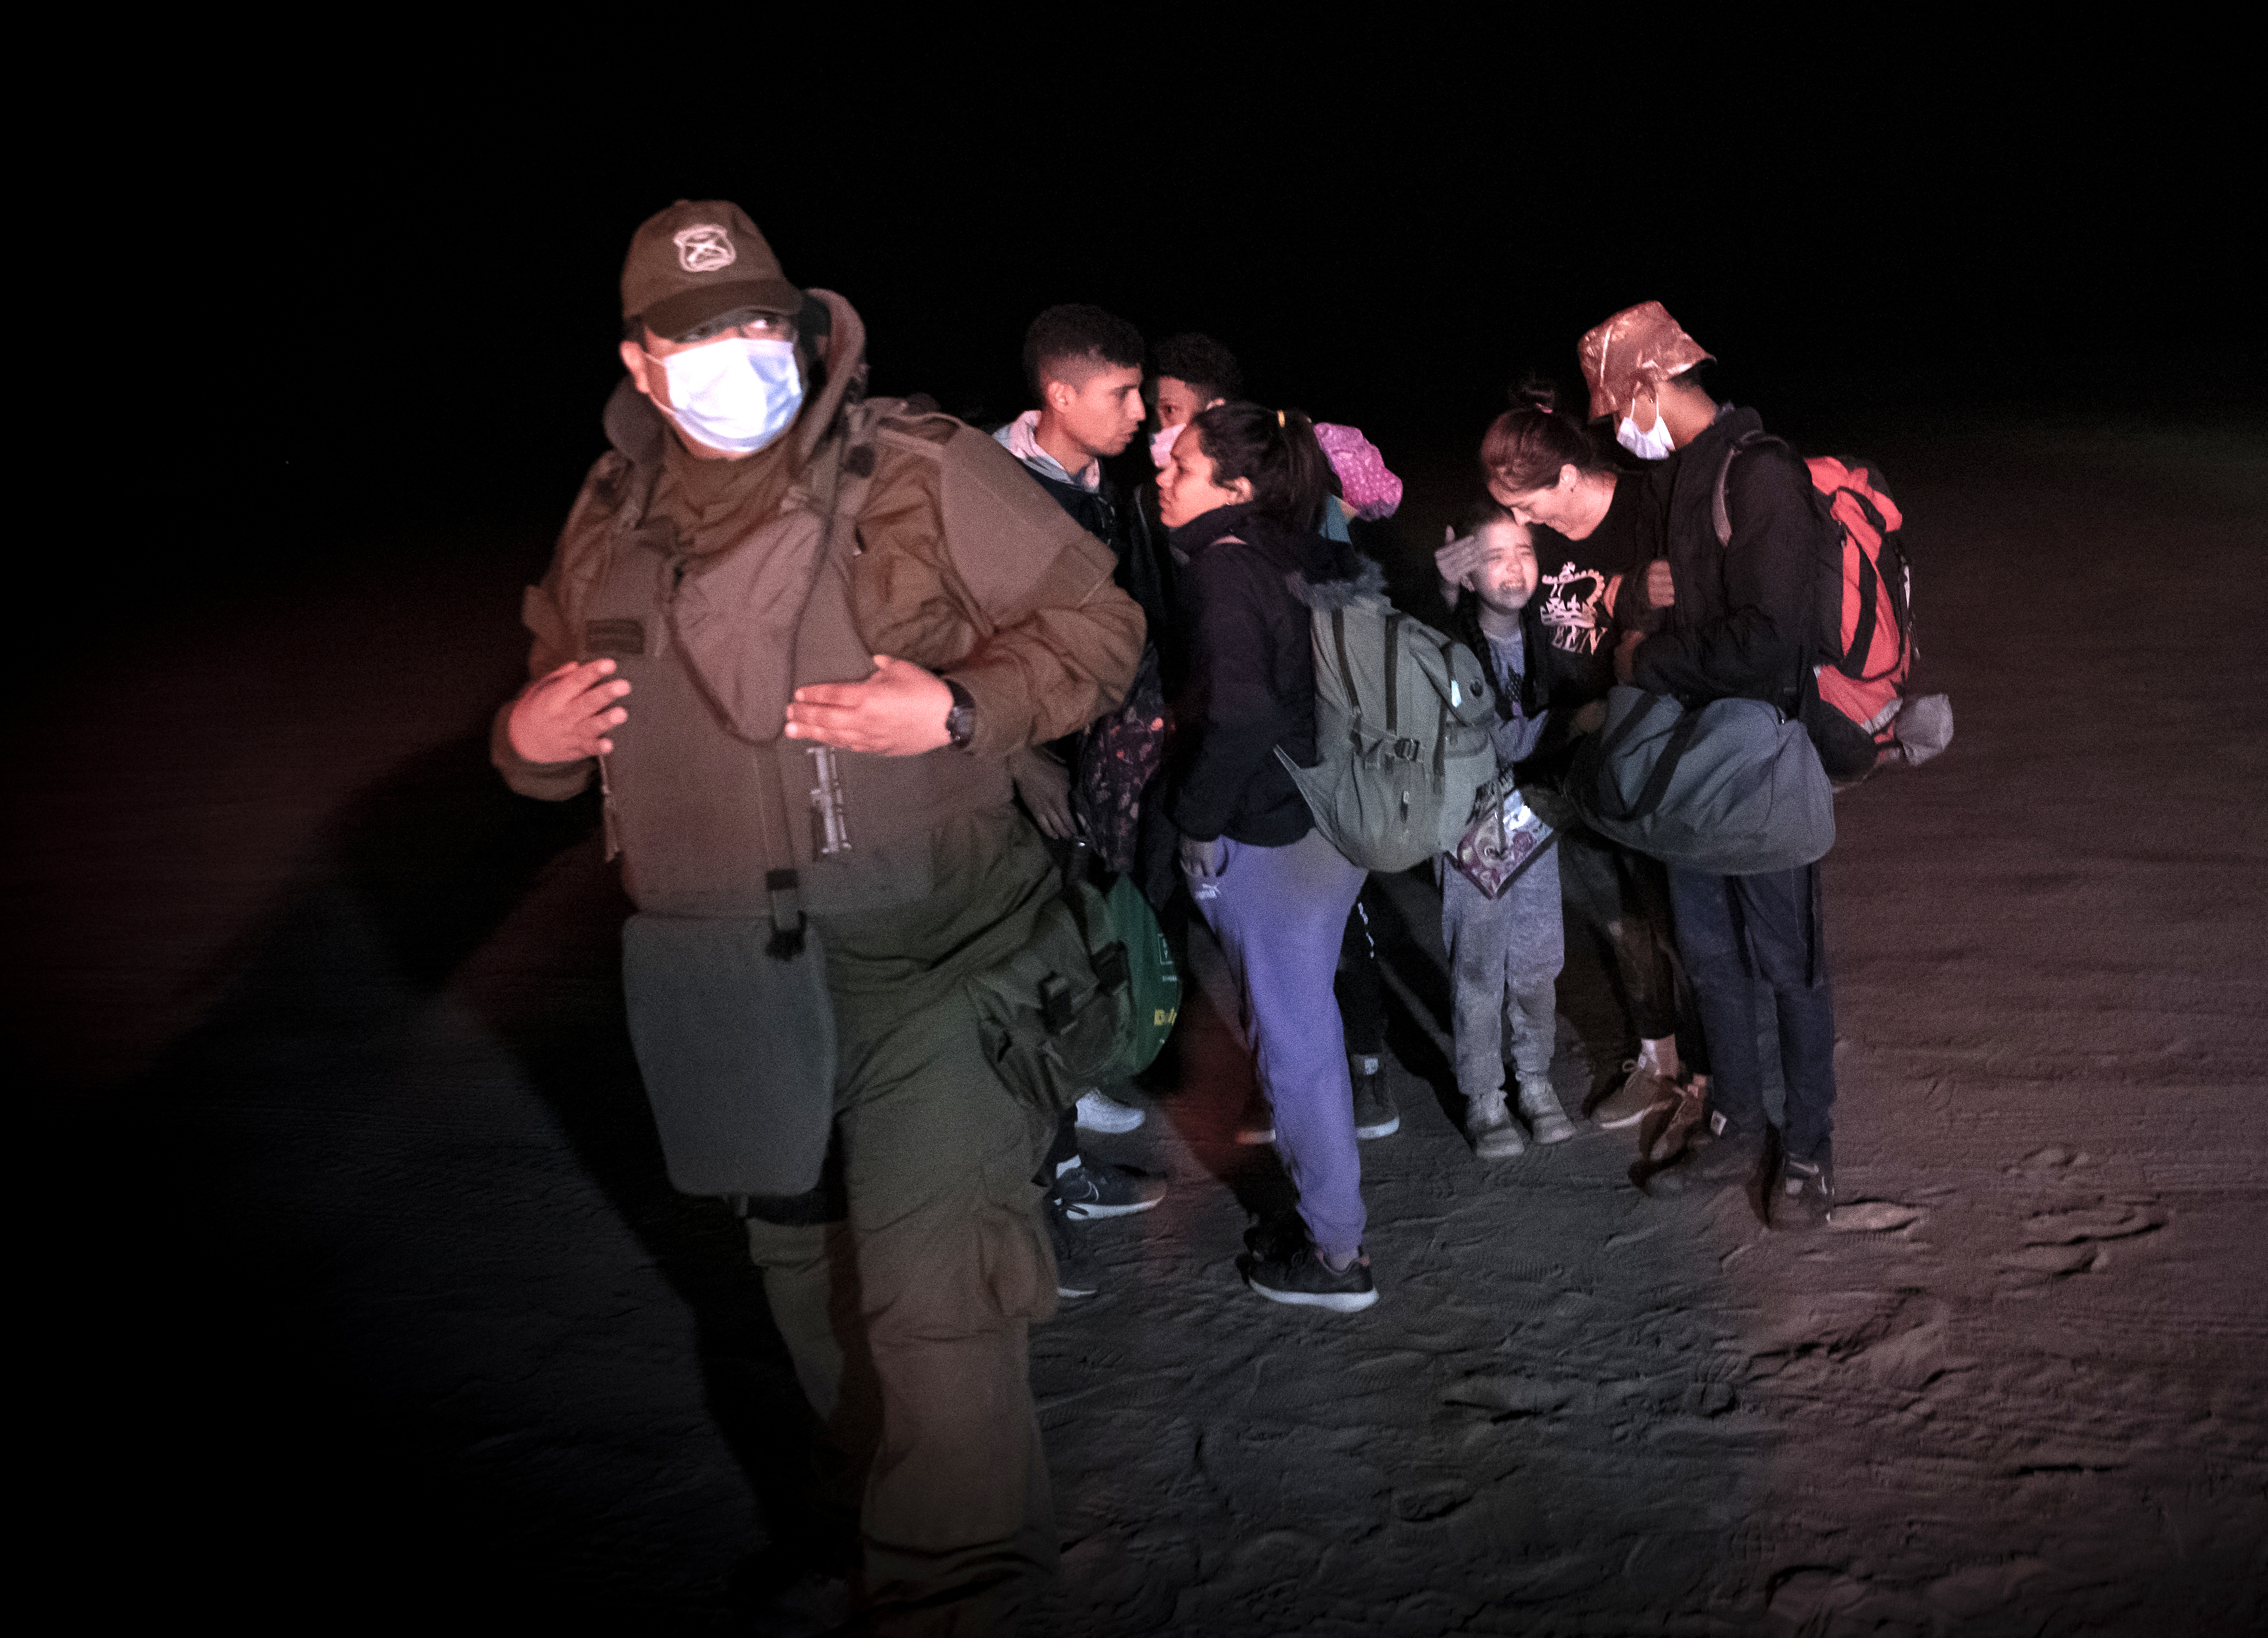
{"type": "Point", "coordinates": [737, 395]}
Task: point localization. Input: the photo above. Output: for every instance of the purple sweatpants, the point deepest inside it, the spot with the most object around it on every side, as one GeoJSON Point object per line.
{"type": "Point", "coordinates": [1280, 914]}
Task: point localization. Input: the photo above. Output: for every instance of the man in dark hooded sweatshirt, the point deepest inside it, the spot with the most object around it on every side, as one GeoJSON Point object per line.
{"type": "Point", "coordinates": [1741, 625]}
{"type": "Point", "coordinates": [840, 620]}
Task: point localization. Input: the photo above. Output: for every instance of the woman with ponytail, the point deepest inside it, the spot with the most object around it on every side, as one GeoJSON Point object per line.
{"type": "Point", "coordinates": [1242, 493]}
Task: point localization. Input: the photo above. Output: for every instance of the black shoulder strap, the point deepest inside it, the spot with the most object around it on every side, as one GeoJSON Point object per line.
{"type": "Point", "coordinates": [1665, 765]}
{"type": "Point", "coordinates": [1746, 441]}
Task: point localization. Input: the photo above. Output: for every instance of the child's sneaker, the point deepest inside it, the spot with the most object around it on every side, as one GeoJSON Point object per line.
{"type": "Point", "coordinates": [1494, 1134]}
{"type": "Point", "coordinates": [1301, 1277]}
{"type": "Point", "coordinates": [1541, 1104]}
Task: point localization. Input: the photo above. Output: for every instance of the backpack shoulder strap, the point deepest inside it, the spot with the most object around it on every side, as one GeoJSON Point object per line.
{"type": "Point", "coordinates": [1723, 517]}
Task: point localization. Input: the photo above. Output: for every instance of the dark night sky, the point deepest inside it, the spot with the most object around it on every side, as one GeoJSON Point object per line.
{"type": "Point", "coordinates": [1388, 249]}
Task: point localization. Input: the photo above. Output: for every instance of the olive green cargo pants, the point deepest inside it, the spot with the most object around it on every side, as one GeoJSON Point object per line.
{"type": "Point", "coordinates": [909, 1322]}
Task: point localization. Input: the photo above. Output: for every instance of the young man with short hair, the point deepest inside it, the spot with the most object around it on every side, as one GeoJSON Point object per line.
{"type": "Point", "coordinates": [1193, 373]}
{"type": "Point", "coordinates": [1084, 368]}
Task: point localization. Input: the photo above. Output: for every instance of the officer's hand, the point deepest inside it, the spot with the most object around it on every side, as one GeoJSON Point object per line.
{"type": "Point", "coordinates": [1660, 587]}
{"type": "Point", "coordinates": [564, 717]}
{"type": "Point", "coordinates": [1624, 651]}
{"type": "Point", "coordinates": [1455, 560]}
{"type": "Point", "coordinates": [1202, 858]}
{"type": "Point", "coordinates": [898, 711]}
{"type": "Point", "coordinates": [1045, 786]}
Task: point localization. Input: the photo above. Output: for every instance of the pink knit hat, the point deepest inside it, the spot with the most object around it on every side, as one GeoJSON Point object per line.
{"type": "Point", "coordinates": [1366, 489]}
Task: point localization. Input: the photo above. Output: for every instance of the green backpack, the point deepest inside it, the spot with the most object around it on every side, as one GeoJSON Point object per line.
{"type": "Point", "coordinates": [1087, 1001]}
{"type": "Point", "coordinates": [1153, 978]}
{"type": "Point", "coordinates": [1402, 735]}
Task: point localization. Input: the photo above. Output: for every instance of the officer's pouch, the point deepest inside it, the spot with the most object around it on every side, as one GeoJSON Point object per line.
{"type": "Point", "coordinates": [1058, 1017]}
{"type": "Point", "coordinates": [736, 1045]}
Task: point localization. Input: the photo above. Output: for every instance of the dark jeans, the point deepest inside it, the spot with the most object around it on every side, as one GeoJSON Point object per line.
{"type": "Point", "coordinates": [1732, 930]}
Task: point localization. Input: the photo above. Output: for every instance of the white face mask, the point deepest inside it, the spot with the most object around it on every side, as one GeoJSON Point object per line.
{"type": "Point", "coordinates": [1162, 444]}
{"type": "Point", "coordinates": [1654, 446]}
{"type": "Point", "coordinates": [737, 395]}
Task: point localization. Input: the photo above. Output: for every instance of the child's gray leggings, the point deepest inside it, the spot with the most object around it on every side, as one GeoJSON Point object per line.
{"type": "Point", "coordinates": [1504, 954]}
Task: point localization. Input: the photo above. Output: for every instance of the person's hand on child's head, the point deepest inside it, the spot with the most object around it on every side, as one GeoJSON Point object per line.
{"type": "Point", "coordinates": [1458, 558]}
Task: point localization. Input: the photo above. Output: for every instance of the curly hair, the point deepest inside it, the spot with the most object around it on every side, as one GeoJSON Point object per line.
{"type": "Point", "coordinates": [1071, 342]}
{"type": "Point", "coordinates": [1210, 369]}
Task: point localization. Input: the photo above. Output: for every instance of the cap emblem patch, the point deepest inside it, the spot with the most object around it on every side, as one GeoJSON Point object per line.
{"type": "Point", "coordinates": [703, 248]}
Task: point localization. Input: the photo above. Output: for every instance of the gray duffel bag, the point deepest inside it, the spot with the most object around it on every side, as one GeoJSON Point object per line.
{"type": "Point", "coordinates": [1733, 788]}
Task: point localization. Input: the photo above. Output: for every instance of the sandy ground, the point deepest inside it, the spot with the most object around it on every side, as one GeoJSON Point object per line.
{"type": "Point", "coordinates": [373, 1300]}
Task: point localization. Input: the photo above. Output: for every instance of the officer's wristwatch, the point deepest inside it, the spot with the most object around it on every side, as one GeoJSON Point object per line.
{"type": "Point", "coordinates": [960, 721]}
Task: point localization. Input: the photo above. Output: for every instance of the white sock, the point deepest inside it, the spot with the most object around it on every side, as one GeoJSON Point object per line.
{"type": "Point", "coordinates": [1660, 1057]}
{"type": "Point", "coordinates": [1062, 1166]}
{"type": "Point", "coordinates": [1363, 1065]}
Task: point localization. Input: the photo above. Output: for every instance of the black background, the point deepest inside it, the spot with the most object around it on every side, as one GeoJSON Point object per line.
{"type": "Point", "coordinates": [1387, 227]}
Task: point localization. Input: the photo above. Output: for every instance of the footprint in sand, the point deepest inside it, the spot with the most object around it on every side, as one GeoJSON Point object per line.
{"type": "Point", "coordinates": [1506, 1397]}
{"type": "Point", "coordinates": [1426, 1504]}
{"type": "Point", "coordinates": [2057, 1243]}
{"type": "Point", "coordinates": [2055, 1261]}
{"type": "Point", "coordinates": [2108, 1220]}
{"type": "Point", "coordinates": [1979, 1590]}
{"type": "Point", "coordinates": [1874, 1216]}
{"type": "Point", "coordinates": [2047, 1162]}
{"type": "Point", "coordinates": [1810, 1597]}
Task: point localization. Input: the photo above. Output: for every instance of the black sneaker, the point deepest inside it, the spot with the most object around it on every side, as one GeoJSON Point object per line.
{"type": "Point", "coordinates": [1075, 1274]}
{"type": "Point", "coordinates": [1805, 1196]}
{"type": "Point", "coordinates": [1301, 1278]}
{"type": "Point", "coordinates": [1374, 1113]}
{"type": "Point", "coordinates": [1095, 1188]}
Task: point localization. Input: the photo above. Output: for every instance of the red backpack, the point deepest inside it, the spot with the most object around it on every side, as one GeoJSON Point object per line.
{"type": "Point", "coordinates": [1864, 640]}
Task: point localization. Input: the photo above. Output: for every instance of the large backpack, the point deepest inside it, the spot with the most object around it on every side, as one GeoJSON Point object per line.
{"type": "Point", "coordinates": [1402, 735]}
{"type": "Point", "coordinates": [1862, 645]}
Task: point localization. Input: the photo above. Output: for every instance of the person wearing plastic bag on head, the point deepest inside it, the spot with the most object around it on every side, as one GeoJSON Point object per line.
{"type": "Point", "coordinates": [1740, 624]}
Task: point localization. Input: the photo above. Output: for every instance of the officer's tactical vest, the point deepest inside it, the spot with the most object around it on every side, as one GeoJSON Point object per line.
{"type": "Point", "coordinates": [707, 800]}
